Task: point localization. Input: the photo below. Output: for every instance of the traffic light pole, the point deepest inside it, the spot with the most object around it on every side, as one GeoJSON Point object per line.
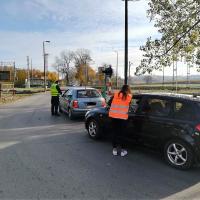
{"type": "Point", "coordinates": [108, 74]}
{"type": "Point", "coordinates": [126, 44]}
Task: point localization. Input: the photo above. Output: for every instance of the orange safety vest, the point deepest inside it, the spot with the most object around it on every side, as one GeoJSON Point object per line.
{"type": "Point", "coordinates": [119, 108]}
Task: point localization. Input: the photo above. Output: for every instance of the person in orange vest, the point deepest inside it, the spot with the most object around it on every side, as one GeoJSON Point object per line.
{"type": "Point", "coordinates": [119, 114]}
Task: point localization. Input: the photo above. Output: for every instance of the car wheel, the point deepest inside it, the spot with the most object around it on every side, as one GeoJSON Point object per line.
{"type": "Point", "coordinates": [93, 129]}
{"type": "Point", "coordinates": [70, 114]}
{"type": "Point", "coordinates": [179, 154]}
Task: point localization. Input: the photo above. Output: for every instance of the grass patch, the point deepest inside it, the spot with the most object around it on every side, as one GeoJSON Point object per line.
{"type": "Point", "coordinates": [10, 99]}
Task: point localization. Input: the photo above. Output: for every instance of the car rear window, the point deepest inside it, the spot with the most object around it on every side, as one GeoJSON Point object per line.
{"type": "Point", "coordinates": [88, 94]}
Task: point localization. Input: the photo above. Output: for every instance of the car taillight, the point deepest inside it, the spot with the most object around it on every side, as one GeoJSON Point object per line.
{"type": "Point", "coordinates": [103, 103]}
{"type": "Point", "coordinates": [75, 104]}
{"type": "Point", "coordinates": [197, 127]}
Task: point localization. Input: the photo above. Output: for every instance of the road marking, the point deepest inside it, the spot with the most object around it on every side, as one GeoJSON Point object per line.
{"type": "Point", "coordinates": [27, 128]}
{"type": "Point", "coordinates": [4, 145]}
{"type": "Point", "coordinates": [189, 193]}
{"type": "Point", "coordinates": [64, 127]}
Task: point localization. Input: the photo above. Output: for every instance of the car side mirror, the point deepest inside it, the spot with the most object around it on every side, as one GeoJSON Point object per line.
{"type": "Point", "coordinates": [62, 95]}
{"type": "Point", "coordinates": [69, 97]}
{"type": "Point", "coordinates": [133, 108]}
{"type": "Point", "coordinates": [107, 107]}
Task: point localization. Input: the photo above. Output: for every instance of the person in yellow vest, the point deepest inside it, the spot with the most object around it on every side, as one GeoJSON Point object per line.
{"type": "Point", "coordinates": [119, 114]}
{"type": "Point", "coordinates": [55, 91]}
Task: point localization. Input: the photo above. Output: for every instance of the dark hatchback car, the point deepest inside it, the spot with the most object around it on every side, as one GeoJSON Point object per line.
{"type": "Point", "coordinates": [168, 122]}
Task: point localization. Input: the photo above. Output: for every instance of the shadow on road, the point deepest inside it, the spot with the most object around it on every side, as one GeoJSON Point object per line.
{"type": "Point", "coordinates": [66, 162]}
{"type": "Point", "coordinates": [44, 156]}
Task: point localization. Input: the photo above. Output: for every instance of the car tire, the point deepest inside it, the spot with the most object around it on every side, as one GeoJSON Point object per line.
{"type": "Point", "coordinates": [70, 114]}
{"type": "Point", "coordinates": [93, 129]}
{"type": "Point", "coordinates": [178, 154]}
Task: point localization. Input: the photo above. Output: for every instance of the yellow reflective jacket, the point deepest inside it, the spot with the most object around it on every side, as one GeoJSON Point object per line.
{"type": "Point", "coordinates": [54, 91]}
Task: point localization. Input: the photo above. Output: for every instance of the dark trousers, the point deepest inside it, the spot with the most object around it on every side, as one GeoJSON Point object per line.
{"type": "Point", "coordinates": [54, 105]}
{"type": "Point", "coordinates": [118, 127]}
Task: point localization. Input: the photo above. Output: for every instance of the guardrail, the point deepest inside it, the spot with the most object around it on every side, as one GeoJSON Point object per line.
{"type": "Point", "coordinates": [6, 91]}
{"type": "Point", "coordinates": [7, 94]}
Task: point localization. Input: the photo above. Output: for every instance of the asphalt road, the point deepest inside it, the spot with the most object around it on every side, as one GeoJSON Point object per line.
{"type": "Point", "coordinates": [46, 157]}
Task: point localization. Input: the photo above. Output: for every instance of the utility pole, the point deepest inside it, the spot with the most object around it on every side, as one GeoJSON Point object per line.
{"type": "Point", "coordinates": [126, 43]}
{"type": "Point", "coordinates": [44, 56]}
{"type": "Point", "coordinates": [86, 74]}
{"type": "Point", "coordinates": [28, 73]}
{"type": "Point", "coordinates": [31, 71]}
{"type": "Point", "coordinates": [188, 74]}
{"type": "Point", "coordinates": [129, 71]}
{"type": "Point", "coordinates": [173, 74]}
{"type": "Point", "coordinates": [163, 78]}
{"type": "Point", "coordinates": [58, 73]}
{"type": "Point", "coordinates": [176, 78]}
{"type": "Point", "coordinates": [14, 73]}
{"type": "Point", "coordinates": [117, 70]}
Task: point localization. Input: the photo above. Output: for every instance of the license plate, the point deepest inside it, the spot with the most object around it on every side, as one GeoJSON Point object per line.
{"type": "Point", "coordinates": [90, 106]}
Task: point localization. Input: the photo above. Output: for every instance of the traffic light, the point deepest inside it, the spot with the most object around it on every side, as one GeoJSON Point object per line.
{"type": "Point", "coordinates": [108, 71]}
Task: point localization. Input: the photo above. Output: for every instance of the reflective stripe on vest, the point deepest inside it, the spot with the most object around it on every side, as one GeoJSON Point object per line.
{"type": "Point", "coordinates": [119, 108]}
{"type": "Point", "coordinates": [54, 91]}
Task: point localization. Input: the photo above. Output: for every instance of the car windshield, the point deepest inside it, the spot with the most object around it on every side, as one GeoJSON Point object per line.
{"type": "Point", "coordinates": [88, 94]}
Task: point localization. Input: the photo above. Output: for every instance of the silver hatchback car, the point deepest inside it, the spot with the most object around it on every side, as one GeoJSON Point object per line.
{"type": "Point", "coordinates": [76, 101]}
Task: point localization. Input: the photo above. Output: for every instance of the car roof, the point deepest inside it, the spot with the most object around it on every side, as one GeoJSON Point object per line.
{"type": "Point", "coordinates": [191, 97]}
{"type": "Point", "coordinates": [79, 88]}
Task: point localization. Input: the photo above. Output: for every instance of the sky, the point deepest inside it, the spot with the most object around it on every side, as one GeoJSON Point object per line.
{"type": "Point", "coordinates": [96, 25]}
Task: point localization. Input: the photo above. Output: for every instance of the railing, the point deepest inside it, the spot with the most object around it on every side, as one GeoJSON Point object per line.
{"type": "Point", "coordinates": [6, 91]}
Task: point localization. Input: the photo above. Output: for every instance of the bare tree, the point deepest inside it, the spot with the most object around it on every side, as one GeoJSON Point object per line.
{"type": "Point", "coordinates": [82, 59]}
{"type": "Point", "coordinates": [63, 64]}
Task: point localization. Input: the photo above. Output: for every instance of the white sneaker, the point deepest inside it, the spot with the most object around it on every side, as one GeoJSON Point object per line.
{"type": "Point", "coordinates": [124, 152]}
{"type": "Point", "coordinates": [114, 152]}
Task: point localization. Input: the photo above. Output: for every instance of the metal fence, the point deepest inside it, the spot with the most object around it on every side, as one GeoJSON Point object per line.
{"type": "Point", "coordinates": [6, 91]}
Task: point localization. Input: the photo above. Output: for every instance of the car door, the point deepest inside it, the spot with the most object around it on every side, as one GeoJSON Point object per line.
{"type": "Point", "coordinates": [61, 99]}
{"type": "Point", "coordinates": [65, 100]}
{"type": "Point", "coordinates": [134, 119]}
{"type": "Point", "coordinates": [185, 118]}
{"type": "Point", "coordinates": [155, 120]}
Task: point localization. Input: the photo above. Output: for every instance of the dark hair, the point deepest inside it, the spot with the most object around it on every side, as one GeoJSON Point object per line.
{"type": "Point", "coordinates": [125, 90]}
